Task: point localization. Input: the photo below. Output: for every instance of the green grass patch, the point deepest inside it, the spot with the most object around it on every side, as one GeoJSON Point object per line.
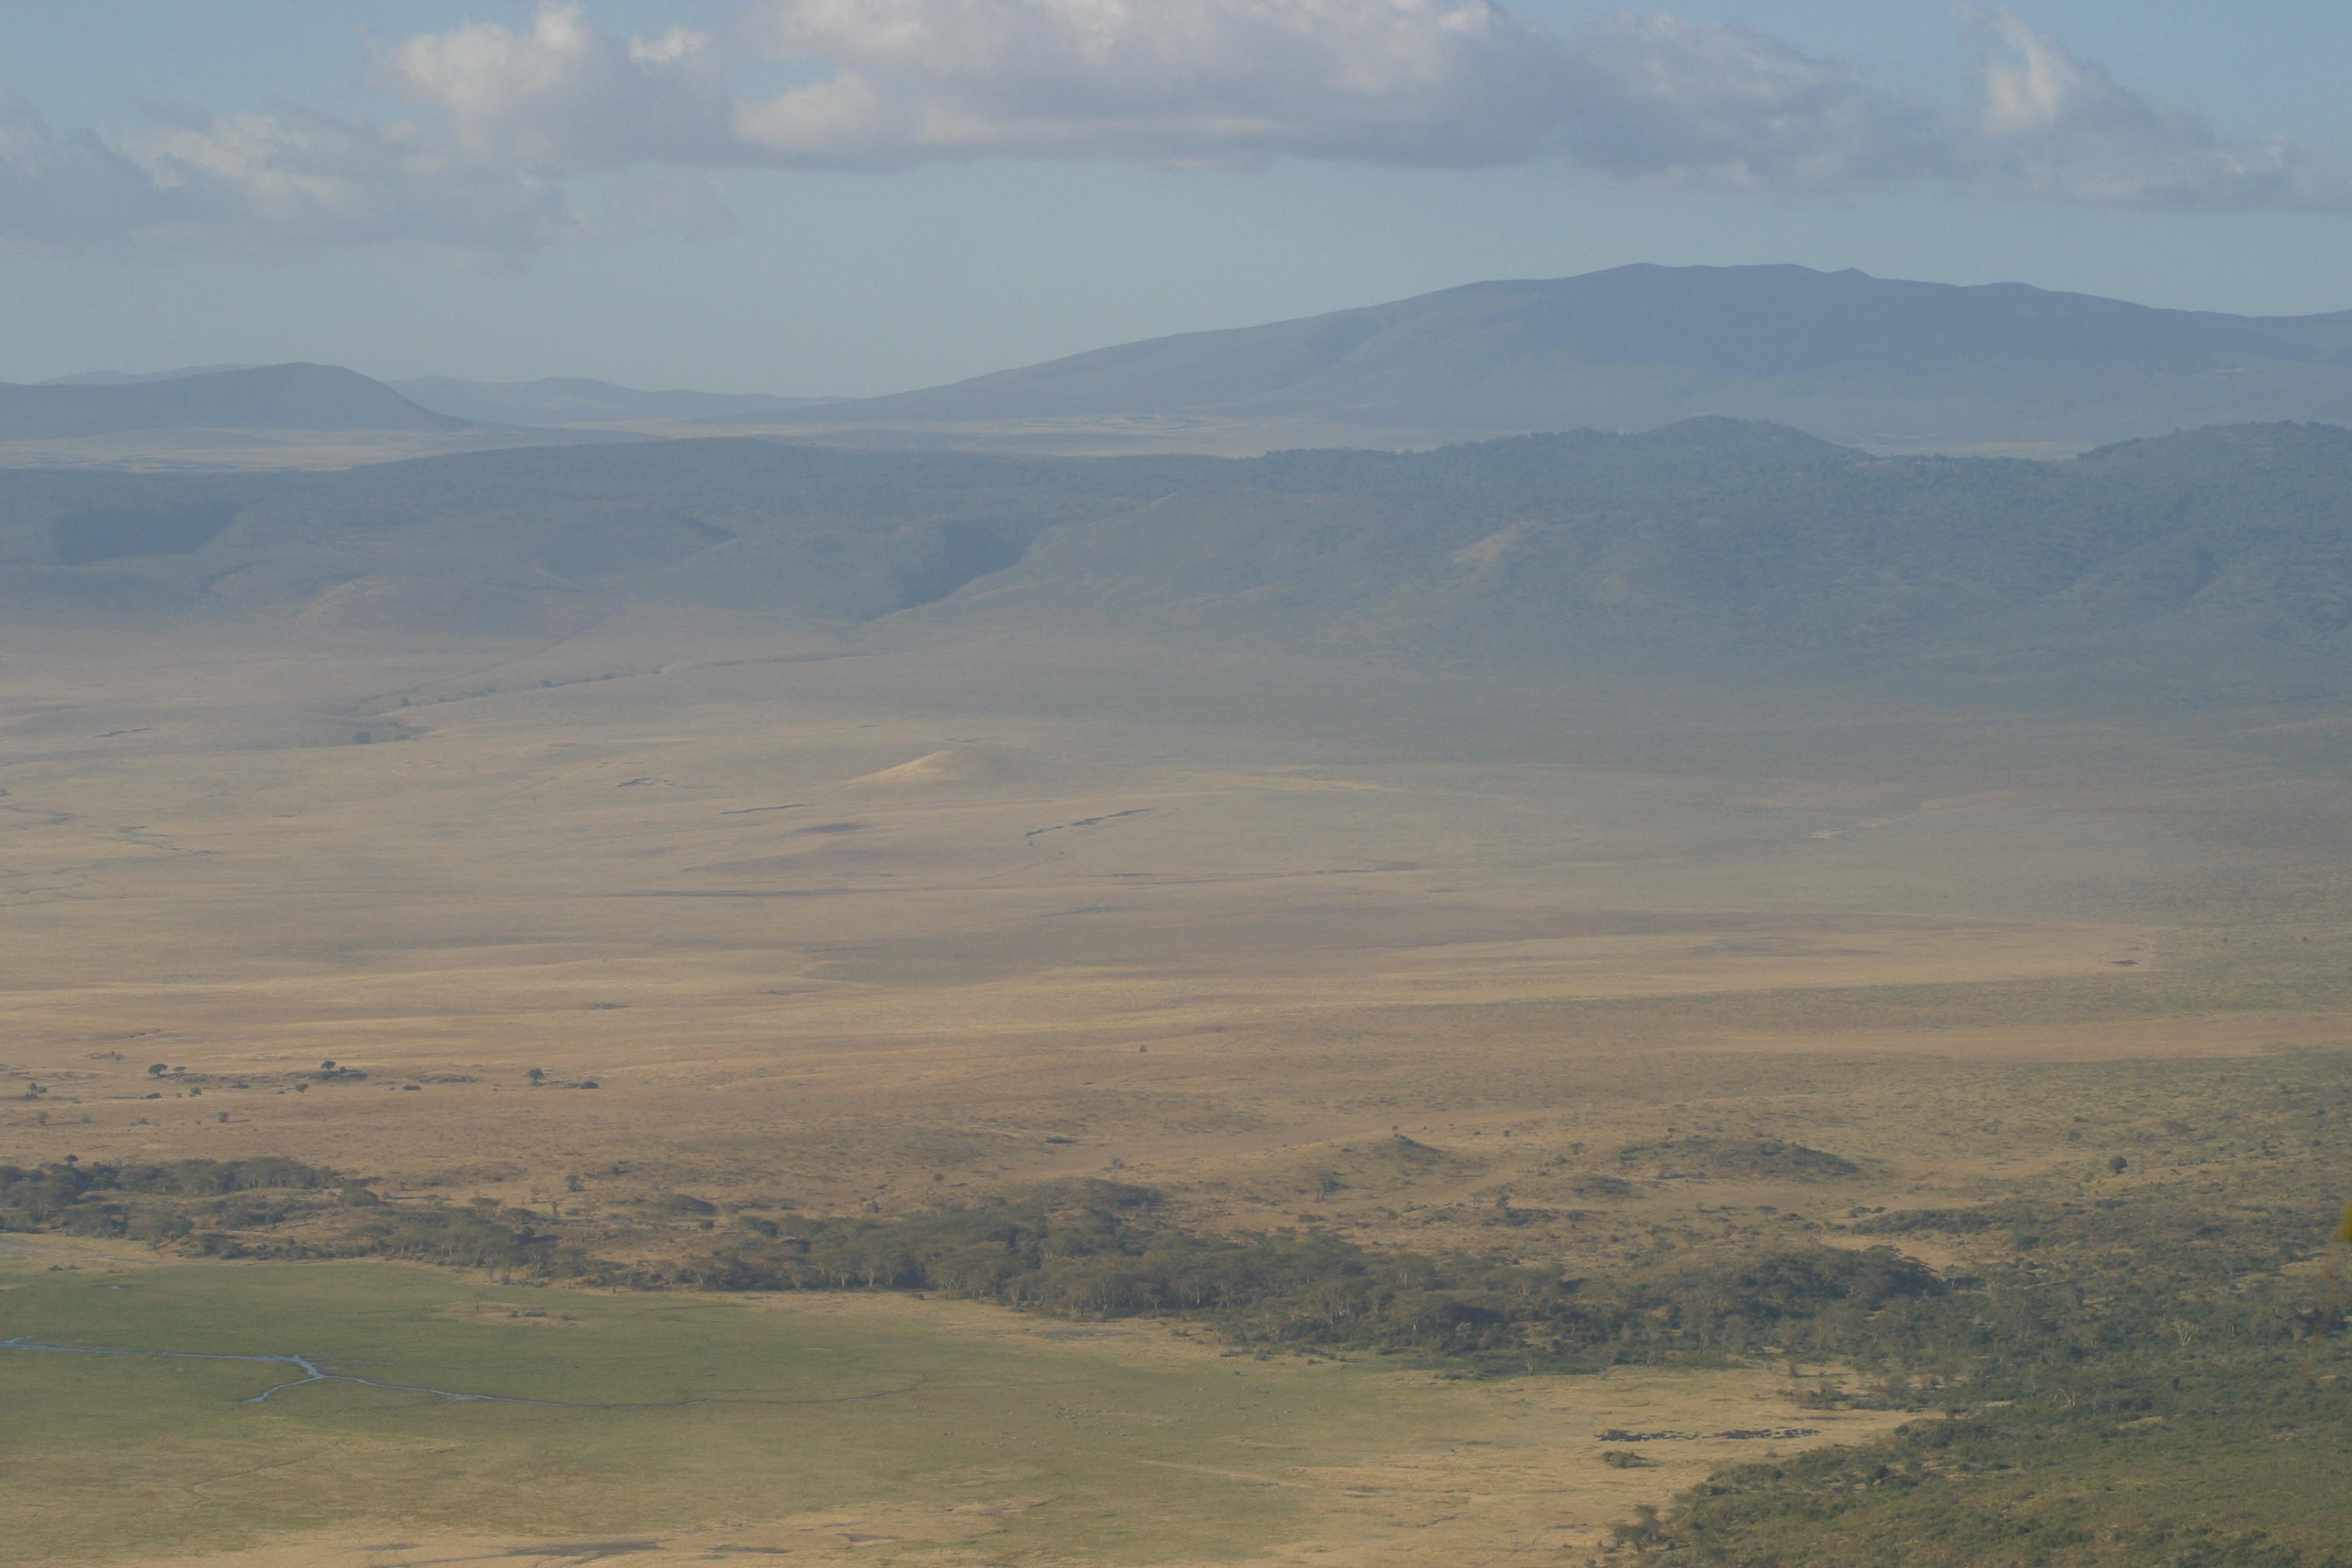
{"type": "Point", "coordinates": [111, 1458]}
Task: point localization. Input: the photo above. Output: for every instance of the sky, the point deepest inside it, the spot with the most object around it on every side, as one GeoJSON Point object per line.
{"type": "Point", "coordinates": [855, 196]}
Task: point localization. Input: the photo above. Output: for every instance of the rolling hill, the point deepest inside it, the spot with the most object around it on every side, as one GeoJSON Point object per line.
{"type": "Point", "coordinates": [1875, 362]}
{"type": "Point", "coordinates": [2216, 562]}
{"type": "Point", "coordinates": [309, 397]}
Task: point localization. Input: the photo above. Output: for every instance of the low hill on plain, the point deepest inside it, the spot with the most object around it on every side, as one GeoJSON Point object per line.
{"type": "Point", "coordinates": [1877, 363]}
{"type": "Point", "coordinates": [307, 398]}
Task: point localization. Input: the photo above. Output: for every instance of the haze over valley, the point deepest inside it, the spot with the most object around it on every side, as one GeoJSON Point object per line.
{"type": "Point", "coordinates": [1680, 913]}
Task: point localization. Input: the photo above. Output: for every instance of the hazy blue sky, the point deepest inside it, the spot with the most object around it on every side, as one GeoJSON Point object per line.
{"type": "Point", "coordinates": [855, 196]}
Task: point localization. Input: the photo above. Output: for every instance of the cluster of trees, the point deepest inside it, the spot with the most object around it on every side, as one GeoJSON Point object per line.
{"type": "Point", "coordinates": [1085, 1249]}
{"type": "Point", "coordinates": [1104, 1249]}
{"type": "Point", "coordinates": [224, 1207]}
{"type": "Point", "coordinates": [2149, 1379]}
{"type": "Point", "coordinates": [2176, 1449]}
{"type": "Point", "coordinates": [482, 1235]}
{"type": "Point", "coordinates": [100, 1199]}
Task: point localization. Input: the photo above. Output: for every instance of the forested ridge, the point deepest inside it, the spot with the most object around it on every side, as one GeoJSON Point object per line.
{"type": "Point", "coordinates": [2217, 562]}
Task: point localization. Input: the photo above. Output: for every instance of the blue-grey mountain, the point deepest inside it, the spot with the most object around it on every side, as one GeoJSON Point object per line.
{"type": "Point", "coordinates": [1870, 361]}
{"type": "Point", "coordinates": [311, 397]}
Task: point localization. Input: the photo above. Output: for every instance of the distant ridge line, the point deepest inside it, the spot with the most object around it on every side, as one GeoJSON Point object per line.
{"type": "Point", "coordinates": [298, 396]}
{"type": "Point", "coordinates": [1870, 361]}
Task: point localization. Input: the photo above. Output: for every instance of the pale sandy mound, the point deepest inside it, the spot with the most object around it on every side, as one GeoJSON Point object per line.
{"type": "Point", "coordinates": [942, 771]}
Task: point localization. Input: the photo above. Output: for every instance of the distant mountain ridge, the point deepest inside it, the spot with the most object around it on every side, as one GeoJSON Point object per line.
{"type": "Point", "coordinates": [1852, 358]}
{"type": "Point", "coordinates": [1880, 364]}
{"type": "Point", "coordinates": [306, 397]}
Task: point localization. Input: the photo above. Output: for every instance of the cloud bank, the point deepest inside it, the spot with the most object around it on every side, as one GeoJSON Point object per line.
{"type": "Point", "coordinates": [512, 125]}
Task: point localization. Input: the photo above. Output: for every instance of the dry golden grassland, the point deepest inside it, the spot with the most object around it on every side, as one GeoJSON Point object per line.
{"type": "Point", "coordinates": [854, 929]}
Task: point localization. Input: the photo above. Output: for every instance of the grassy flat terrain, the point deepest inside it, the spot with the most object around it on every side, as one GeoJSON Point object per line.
{"type": "Point", "coordinates": [967, 1434]}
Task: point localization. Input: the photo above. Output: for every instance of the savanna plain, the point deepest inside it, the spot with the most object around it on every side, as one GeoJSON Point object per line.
{"type": "Point", "coordinates": [688, 1085]}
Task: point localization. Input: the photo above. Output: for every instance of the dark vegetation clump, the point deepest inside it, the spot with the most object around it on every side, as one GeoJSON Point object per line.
{"type": "Point", "coordinates": [465, 1238]}
{"type": "Point", "coordinates": [1087, 1249]}
{"type": "Point", "coordinates": [238, 1209]}
{"type": "Point", "coordinates": [2158, 1378]}
{"type": "Point", "coordinates": [2238, 1465]}
{"type": "Point", "coordinates": [101, 1200]}
{"type": "Point", "coordinates": [1104, 1249]}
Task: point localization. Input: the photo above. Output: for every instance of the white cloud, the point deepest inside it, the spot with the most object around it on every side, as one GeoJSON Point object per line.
{"type": "Point", "coordinates": [1651, 98]}
{"type": "Point", "coordinates": [291, 178]}
{"type": "Point", "coordinates": [1186, 81]}
{"type": "Point", "coordinates": [302, 177]}
{"type": "Point", "coordinates": [1662, 100]}
{"type": "Point", "coordinates": [70, 186]}
{"type": "Point", "coordinates": [566, 94]}
{"type": "Point", "coordinates": [2053, 124]}
{"type": "Point", "coordinates": [512, 120]}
